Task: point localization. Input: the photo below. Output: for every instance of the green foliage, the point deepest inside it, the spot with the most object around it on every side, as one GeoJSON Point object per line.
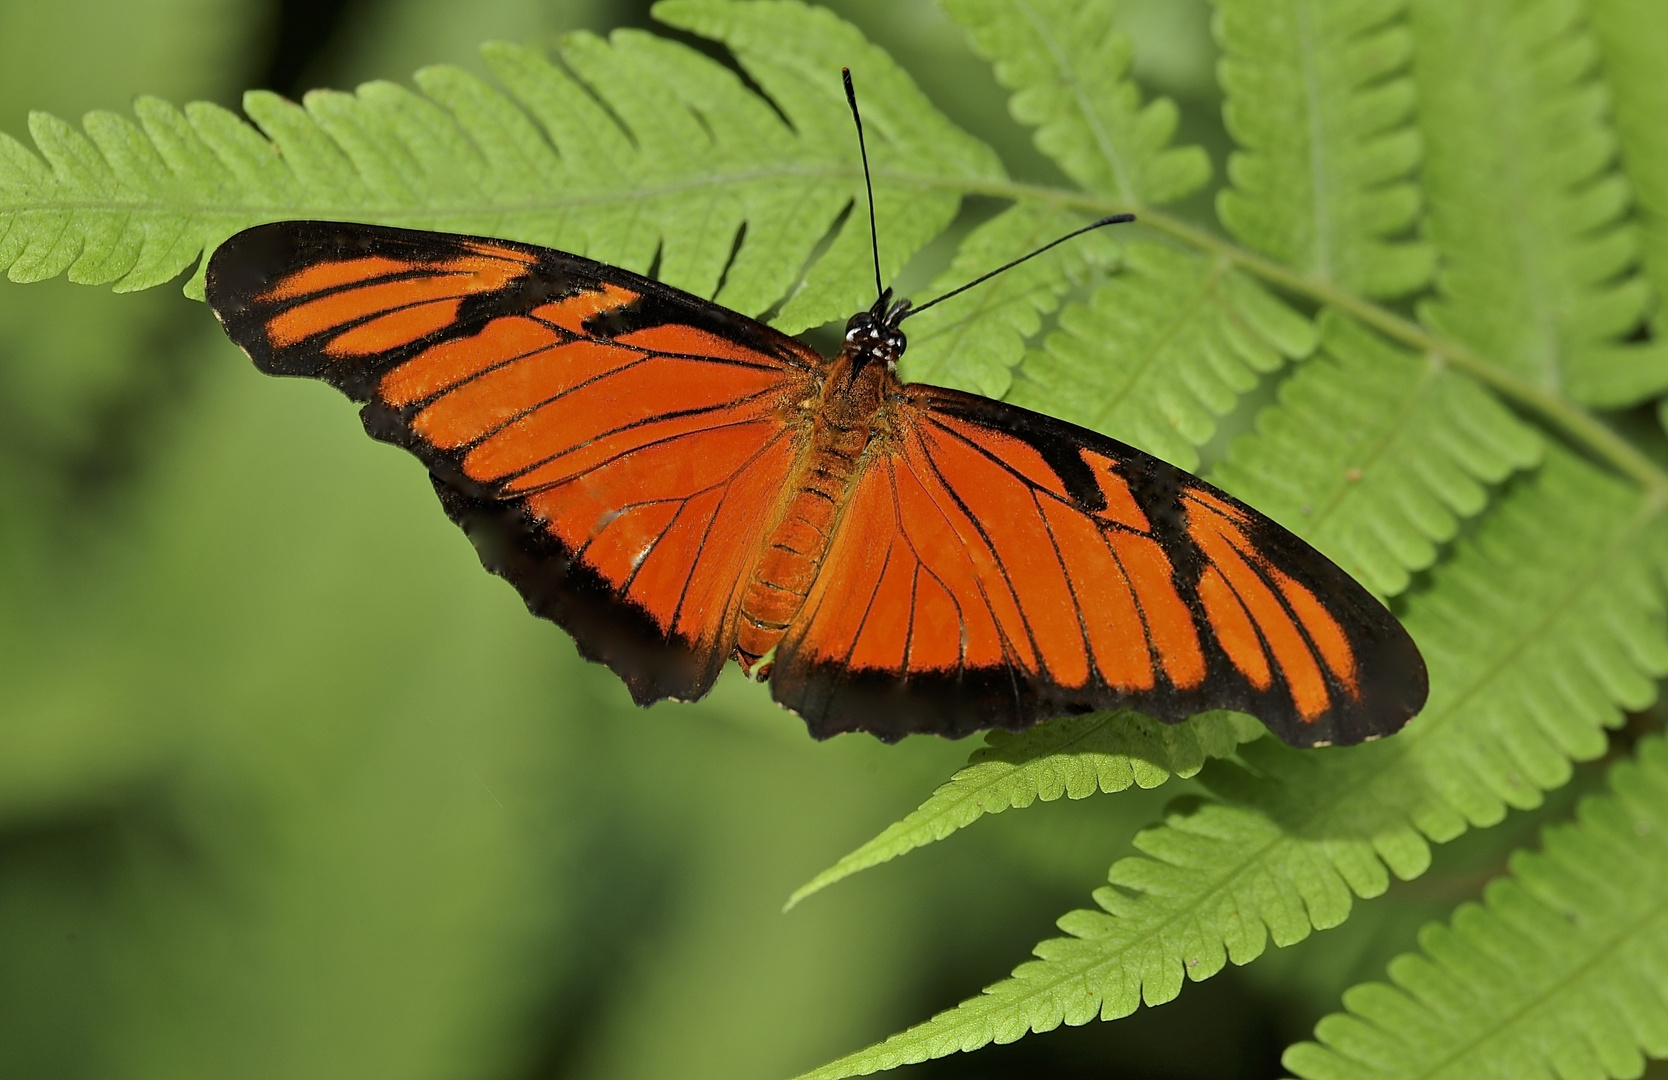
{"type": "Point", "coordinates": [1527, 206]}
{"type": "Point", "coordinates": [1496, 167]}
{"type": "Point", "coordinates": [1562, 969]}
{"type": "Point", "coordinates": [80, 374]}
{"type": "Point", "coordinates": [1319, 98]}
{"type": "Point", "coordinates": [645, 148]}
{"type": "Point", "coordinates": [1633, 37]}
{"type": "Point", "coordinates": [1069, 69]}
{"type": "Point", "coordinates": [1074, 756]}
{"type": "Point", "coordinates": [974, 341]}
{"type": "Point", "coordinates": [1374, 455]}
{"type": "Point", "coordinates": [1161, 350]}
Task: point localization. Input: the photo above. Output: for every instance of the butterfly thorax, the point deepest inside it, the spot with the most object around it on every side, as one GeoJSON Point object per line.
{"type": "Point", "coordinates": [846, 422]}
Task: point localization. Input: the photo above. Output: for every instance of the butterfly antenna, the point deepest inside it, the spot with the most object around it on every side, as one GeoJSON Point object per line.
{"type": "Point", "coordinates": [1115, 219]}
{"type": "Point", "coordinates": [874, 236]}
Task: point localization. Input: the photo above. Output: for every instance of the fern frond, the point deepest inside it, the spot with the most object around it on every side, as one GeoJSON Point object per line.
{"type": "Point", "coordinates": [1069, 69]}
{"type": "Point", "coordinates": [1074, 756]}
{"type": "Point", "coordinates": [1527, 206]}
{"type": "Point", "coordinates": [794, 53]}
{"type": "Point", "coordinates": [1561, 970]}
{"type": "Point", "coordinates": [1161, 350]}
{"type": "Point", "coordinates": [1544, 624]}
{"type": "Point", "coordinates": [635, 146]}
{"type": "Point", "coordinates": [1633, 39]}
{"type": "Point", "coordinates": [1319, 99]}
{"type": "Point", "coordinates": [974, 341]}
{"type": "Point", "coordinates": [1374, 455]}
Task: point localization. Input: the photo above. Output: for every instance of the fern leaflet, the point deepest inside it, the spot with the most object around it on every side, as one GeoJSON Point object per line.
{"type": "Point", "coordinates": [1074, 756]}
{"type": "Point", "coordinates": [1633, 39]}
{"type": "Point", "coordinates": [1374, 455]}
{"type": "Point", "coordinates": [974, 341]}
{"type": "Point", "coordinates": [1526, 204]}
{"type": "Point", "coordinates": [1319, 99]}
{"type": "Point", "coordinates": [1562, 969]}
{"type": "Point", "coordinates": [1068, 67]}
{"type": "Point", "coordinates": [1161, 350]}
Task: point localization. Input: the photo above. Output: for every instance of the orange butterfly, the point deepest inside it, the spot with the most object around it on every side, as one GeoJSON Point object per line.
{"type": "Point", "coordinates": [676, 484]}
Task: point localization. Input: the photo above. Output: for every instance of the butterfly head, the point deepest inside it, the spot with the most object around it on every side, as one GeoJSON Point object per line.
{"type": "Point", "coordinates": [874, 334]}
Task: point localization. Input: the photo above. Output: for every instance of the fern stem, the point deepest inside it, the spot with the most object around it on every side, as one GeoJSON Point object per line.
{"type": "Point", "coordinates": [1576, 422]}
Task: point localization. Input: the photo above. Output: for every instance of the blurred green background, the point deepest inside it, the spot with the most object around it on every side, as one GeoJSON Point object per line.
{"type": "Point", "coordinates": [290, 787]}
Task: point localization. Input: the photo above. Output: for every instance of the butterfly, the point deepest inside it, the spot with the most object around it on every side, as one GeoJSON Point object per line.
{"type": "Point", "coordinates": [677, 485]}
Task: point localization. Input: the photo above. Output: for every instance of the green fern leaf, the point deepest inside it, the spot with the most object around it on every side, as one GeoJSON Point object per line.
{"type": "Point", "coordinates": [973, 341]}
{"type": "Point", "coordinates": [1526, 204]}
{"type": "Point", "coordinates": [1561, 970]}
{"type": "Point", "coordinates": [1374, 455]}
{"type": "Point", "coordinates": [922, 162]}
{"type": "Point", "coordinates": [1538, 631]}
{"type": "Point", "coordinates": [1161, 350]}
{"type": "Point", "coordinates": [641, 146]}
{"type": "Point", "coordinates": [1074, 756]}
{"type": "Point", "coordinates": [1069, 70]}
{"type": "Point", "coordinates": [1319, 99]}
{"type": "Point", "coordinates": [1633, 39]}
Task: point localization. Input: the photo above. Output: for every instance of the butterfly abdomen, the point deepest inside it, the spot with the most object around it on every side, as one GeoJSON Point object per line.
{"type": "Point", "coordinates": [844, 422]}
{"type": "Point", "coordinates": [795, 550]}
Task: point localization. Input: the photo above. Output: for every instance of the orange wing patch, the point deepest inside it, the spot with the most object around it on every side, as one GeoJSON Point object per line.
{"type": "Point", "coordinates": [570, 314]}
{"type": "Point", "coordinates": [327, 275]}
{"type": "Point", "coordinates": [574, 418]}
{"type": "Point", "coordinates": [1015, 455]}
{"type": "Point", "coordinates": [1121, 506]}
{"type": "Point", "coordinates": [951, 560]}
{"type": "Point", "coordinates": [384, 303]}
{"type": "Point", "coordinates": [898, 575]}
{"type": "Point", "coordinates": [1256, 611]}
{"type": "Point", "coordinates": [443, 366]}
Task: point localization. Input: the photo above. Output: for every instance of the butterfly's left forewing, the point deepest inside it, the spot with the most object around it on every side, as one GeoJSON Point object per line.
{"type": "Point", "coordinates": [996, 567]}
{"type": "Point", "coordinates": [614, 447]}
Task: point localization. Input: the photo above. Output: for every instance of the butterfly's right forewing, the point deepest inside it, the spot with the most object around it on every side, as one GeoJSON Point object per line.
{"type": "Point", "coordinates": [616, 449]}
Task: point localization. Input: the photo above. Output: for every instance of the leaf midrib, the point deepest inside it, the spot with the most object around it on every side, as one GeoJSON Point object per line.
{"type": "Point", "coordinates": [1565, 984]}
{"type": "Point", "coordinates": [1091, 115]}
{"type": "Point", "coordinates": [1374, 451]}
{"type": "Point", "coordinates": [1319, 202]}
{"type": "Point", "coordinates": [1556, 409]}
{"type": "Point", "coordinates": [959, 799]}
{"type": "Point", "coordinates": [990, 1000]}
{"type": "Point", "coordinates": [1207, 295]}
{"type": "Point", "coordinates": [613, 195]}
